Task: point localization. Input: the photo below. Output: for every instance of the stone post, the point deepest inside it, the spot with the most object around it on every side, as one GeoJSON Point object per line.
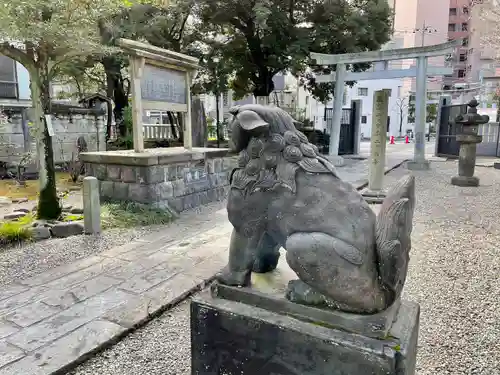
{"type": "Point", "coordinates": [375, 193]}
{"type": "Point", "coordinates": [468, 140]}
{"type": "Point", "coordinates": [337, 116]}
{"type": "Point", "coordinates": [91, 206]}
{"type": "Point", "coordinates": [419, 162]}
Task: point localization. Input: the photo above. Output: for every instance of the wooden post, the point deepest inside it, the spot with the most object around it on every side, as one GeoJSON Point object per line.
{"type": "Point", "coordinates": [188, 133]}
{"type": "Point", "coordinates": [136, 70]}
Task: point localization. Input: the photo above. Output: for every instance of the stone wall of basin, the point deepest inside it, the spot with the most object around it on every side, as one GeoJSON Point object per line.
{"type": "Point", "coordinates": [178, 185]}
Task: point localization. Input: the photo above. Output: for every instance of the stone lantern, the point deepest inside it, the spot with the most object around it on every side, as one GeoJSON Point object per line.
{"type": "Point", "coordinates": [468, 139]}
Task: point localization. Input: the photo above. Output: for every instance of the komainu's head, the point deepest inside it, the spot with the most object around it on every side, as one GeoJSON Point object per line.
{"type": "Point", "coordinates": [271, 150]}
{"type": "Point", "coordinates": [253, 120]}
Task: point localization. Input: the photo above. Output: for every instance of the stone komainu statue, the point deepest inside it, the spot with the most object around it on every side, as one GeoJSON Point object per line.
{"type": "Point", "coordinates": [285, 194]}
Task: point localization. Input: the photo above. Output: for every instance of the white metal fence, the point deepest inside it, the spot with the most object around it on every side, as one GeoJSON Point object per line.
{"type": "Point", "coordinates": [489, 145]}
{"type": "Point", "coordinates": [158, 131]}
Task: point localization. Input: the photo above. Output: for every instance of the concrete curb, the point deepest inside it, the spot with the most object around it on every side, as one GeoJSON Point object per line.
{"type": "Point", "coordinates": [364, 183]}
{"type": "Point", "coordinates": [167, 306]}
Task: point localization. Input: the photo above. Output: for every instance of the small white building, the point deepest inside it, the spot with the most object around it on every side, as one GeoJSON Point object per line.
{"type": "Point", "coordinates": [364, 90]}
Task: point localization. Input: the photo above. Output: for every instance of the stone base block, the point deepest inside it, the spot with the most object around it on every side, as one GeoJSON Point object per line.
{"type": "Point", "coordinates": [418, 165]}
{"type": "Point", "coordinates": [496, 165]}
{"type": "Point", "coordinates": [238, 331]}
{"type": "Point", "coordinates": [465, 181]}
{"type": "Point", "coordinates": [174, 179]}
{"type": "Point", "coordinates": [373, 196]}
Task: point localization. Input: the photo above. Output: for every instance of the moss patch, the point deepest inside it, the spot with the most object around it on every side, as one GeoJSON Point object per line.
{"type": "Point", "coordinates": [124, 215]}
{"type": "Point", "coordinates": [72, 217]}
{"type": "Point", "coordinates": [16, 230]}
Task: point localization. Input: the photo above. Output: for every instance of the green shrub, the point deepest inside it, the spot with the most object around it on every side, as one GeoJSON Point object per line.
{"type": "Point", "coordinates": [16, 230]}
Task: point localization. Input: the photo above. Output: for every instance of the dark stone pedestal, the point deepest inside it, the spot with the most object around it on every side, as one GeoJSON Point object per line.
{"type": "Point", "coordinates": [496, 165]}
{"type": "Point", "coordinates": [465, 181]}
{"type": "Point", "coordinates": [264, 334]}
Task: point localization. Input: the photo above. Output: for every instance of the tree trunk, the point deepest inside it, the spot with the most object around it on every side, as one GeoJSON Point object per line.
{"type": "Point", "coordinates": [180, 121]}
{"type": "Point", "coordinates": [264, 86]}
{"type": "Point", "coordinates": [172, 124]}
{"type": "Point", "coordinates": [115, 90]}
{"type": "Point", "coordinates": [48, 201]}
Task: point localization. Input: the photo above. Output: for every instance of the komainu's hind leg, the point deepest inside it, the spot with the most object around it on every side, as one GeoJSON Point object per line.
{"type": "Point", "coordinates": [267, 254]}
{"type": "Point", "coordinates": [334, 273]}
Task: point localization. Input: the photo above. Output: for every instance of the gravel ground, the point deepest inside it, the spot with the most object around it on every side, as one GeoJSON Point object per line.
{"type": "Point", "coordinates": [454, 274]}
{"type": "Point", "coordinates": [28, 259]}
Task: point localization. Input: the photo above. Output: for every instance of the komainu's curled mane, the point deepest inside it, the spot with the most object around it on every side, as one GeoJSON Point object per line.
{"type": "Point", "coordinates": [273, 150]}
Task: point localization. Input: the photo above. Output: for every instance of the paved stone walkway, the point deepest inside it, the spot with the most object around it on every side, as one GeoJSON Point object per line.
{"type": "Point", "coordinates": [61, 316]}
{"type": "Point", "coordinates": [57, 317]}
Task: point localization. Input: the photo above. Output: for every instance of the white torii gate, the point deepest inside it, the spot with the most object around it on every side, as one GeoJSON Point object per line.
{"type": "Point", "coordinates": [421, 71]}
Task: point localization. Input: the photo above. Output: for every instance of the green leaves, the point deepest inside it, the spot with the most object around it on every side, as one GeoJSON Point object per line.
{"type": "Point", "coordinates": [266, 37]}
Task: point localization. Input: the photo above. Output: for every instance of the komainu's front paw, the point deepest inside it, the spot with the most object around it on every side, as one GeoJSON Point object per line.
{"type": "Point", "coordinates": [266, 263]}
{"type": "Point", "coordinates": [234, 278]}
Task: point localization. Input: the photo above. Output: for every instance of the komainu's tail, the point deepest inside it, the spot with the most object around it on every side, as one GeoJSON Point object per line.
{"type": "Point", "coordinates": [393, 235]}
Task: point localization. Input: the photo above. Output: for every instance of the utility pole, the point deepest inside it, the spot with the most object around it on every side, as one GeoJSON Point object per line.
{"type": "Point", "coordinates": [423, 34]}
{"type": "Point", "coordinates": [425, 29]}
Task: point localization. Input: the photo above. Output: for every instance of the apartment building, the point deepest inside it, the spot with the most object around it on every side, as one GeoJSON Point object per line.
{"type": "Point", "coordinates": [421, 23]}
{"type": "Point", "coordinates": [459, 28]}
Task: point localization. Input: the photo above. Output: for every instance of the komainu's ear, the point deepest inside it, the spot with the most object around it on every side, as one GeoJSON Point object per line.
{"type": "Point", "coordinates": [250, 120]}
{"type": "Point", "coordinates": [234, 110]}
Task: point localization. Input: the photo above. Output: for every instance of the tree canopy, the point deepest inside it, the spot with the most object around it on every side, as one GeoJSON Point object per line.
{"type": "Point", "coordinates": [43, 36]}
{"type": "Point", "coordinates": [266, 37]}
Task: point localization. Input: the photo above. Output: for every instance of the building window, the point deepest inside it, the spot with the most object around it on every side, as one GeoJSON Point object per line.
{"type": "Point", "coordinates": [389, 92]}
{"type": "Point", "coordinates": [362, 91]}
{"type": "Point", "coordinates": [463, 57]}
{"type": "Point", "coordinates": [363, 119]}
{"type": "Point", "coordinates": [451, 27]}
{"type": "Point", "coordinates": [307, 100]}
{"type": "Point", "coordinates": [453, 11]}
{"type": "Point", "coordinates": [465, 26]}
{"type": "Point", "coordinates": [8, 79]}
{"type": "Point", "coordinates": [225, 99]}
{"type": "Point", "coordinates": [461, 73]}
{"type": "Point", "coordinates": [465, 42]}
{"type": "Point", "coordinates": [344, 97]}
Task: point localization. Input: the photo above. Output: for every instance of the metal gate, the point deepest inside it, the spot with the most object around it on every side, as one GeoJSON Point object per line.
{"type": "Point", "coordinates": [347, 128]}
{"type": "Point", "coordinates": [448, 130]}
